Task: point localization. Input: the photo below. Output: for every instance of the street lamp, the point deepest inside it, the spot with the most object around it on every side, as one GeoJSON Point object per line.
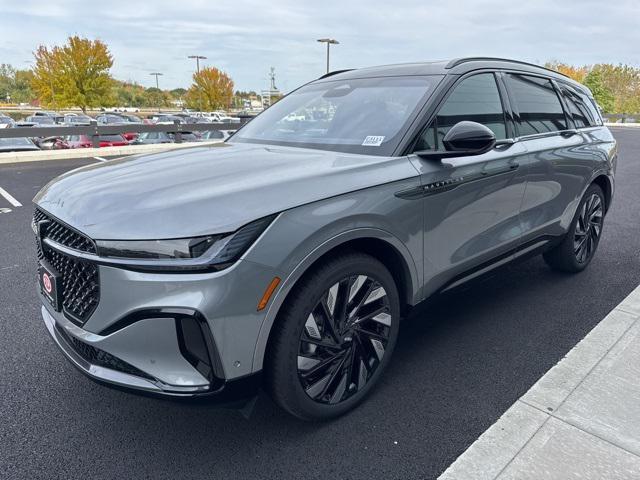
{"type": "Point", "coordinates": [157, 74]}
{"type": "Point", "coordinates": [198, 58]}
{"type": "Point", "coordinates": [328, 41]}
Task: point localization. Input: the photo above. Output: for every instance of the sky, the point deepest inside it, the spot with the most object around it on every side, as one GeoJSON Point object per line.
{"type": "Point", "coordinates": [245, 37]}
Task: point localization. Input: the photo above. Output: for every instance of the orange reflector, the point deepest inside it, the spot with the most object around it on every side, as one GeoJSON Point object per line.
{"type": "Point", "coordinates": [268, 292]}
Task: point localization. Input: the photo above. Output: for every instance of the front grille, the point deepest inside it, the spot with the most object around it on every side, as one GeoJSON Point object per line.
{"type": "Point", "coordinates": [98, 357]}
{"type": "Point", "coordinates": [60, 233]}
{"type": "Point", "coordinates": [80, 279]}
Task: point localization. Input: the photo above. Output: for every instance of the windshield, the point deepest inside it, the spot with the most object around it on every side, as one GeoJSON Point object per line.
{"type": "Point", "coordinates": [366, 115]}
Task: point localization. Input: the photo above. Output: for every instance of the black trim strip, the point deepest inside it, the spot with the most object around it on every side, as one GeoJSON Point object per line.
{"type": "Point", "coordinates": [449, 184]}
{"type": "Point", "coordinates": [521, 252]}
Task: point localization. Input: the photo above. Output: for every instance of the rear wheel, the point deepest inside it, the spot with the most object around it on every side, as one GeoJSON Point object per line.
{"type": "Point", "coordinates": [581, 242]}
{"type": "Point", "coordinates": [334, 337]}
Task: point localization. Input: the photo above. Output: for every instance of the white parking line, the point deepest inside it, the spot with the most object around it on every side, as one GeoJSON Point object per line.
{"type": "Point", "coordinates": [9, 198]}
{"type": "Point", "coordinates": [100, 159]}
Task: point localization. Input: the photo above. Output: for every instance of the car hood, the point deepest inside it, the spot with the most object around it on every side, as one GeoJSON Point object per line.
{"type": "Point", "coordinates": [206, 190]}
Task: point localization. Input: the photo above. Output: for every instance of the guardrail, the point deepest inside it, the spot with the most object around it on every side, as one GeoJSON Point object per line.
{"type": "Point", "coordinates": [94, 130]}
{"type": "Point", "coordinates": [614, 117]}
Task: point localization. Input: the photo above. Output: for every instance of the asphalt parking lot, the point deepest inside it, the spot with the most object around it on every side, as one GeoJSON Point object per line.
{"type": "Point", "coordinates": [461, 361]}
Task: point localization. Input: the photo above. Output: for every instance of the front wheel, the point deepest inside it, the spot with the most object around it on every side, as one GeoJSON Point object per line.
{"type": "Point", "coordinates": [580, 244]}
{"type": "Point", "coordinates": [334, 337]}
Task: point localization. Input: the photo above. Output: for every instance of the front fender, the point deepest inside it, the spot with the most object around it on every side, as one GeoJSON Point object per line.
{"type": "Point", "coordinates": [331, 243]}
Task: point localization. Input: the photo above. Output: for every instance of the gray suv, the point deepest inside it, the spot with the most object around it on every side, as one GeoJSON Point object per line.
{"type": "Point", "coordinates": [286, 257]}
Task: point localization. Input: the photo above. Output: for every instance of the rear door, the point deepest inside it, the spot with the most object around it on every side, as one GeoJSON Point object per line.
{"type": "Point", "coordinates": [472, 204]}
{"type": "Point", "coordinates": [557, 162]}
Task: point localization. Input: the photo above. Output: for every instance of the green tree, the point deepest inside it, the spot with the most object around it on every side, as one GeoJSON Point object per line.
{"type": "Point", "coordinates": [15, 85]}
{"type": "Point", "coordinates": [601, 93]}
{"type": "Point", "coordinates": [75, 74]}
{"type": "Point", "coordinates": [623, 82]}
{"type": "Point", "coordinates": [154, 97]}
{"type": "Point", "coordinates": [212, 89]}
{"type": "Point", "coordinates": [129, 94]}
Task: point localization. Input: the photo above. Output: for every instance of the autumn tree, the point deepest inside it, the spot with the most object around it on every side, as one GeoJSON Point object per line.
{"type": "Point", "coordinates": [576, 73]}
{"type": "Point", "coordinates": [73, 75]}
{"type": "Point", "coordinates": [212, 89]}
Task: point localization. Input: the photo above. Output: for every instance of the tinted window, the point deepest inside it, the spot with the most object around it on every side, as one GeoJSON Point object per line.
{"type": "Point", "coordinates": [579, 110]}
{"type": "Point", "coordinates": [538, 104]}
{"type": "Point", "coordinates": [476, 99]}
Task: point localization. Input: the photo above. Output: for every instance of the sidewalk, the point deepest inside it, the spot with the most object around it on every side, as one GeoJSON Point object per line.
{"type": "Point", "coordinates": [579, 421]}
{"type": "Point", "coordinates": [40, 155]}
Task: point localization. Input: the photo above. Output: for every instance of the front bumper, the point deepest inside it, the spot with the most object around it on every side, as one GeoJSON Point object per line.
{"type": "Point", "coordinates": [79, 348]}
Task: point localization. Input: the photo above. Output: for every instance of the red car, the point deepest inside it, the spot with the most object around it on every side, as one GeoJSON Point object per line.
{"type": "Point", "coordinates": [84, 141]}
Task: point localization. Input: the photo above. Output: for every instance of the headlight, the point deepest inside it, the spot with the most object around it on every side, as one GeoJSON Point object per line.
{"type": "Point", "coordinates": [196, 253]}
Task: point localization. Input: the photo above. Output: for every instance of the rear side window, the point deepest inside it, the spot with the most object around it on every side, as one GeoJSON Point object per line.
{"type": "Point", "coordinates": [538, 105]}
{"type": "Point", "coordinates": [475, 99]}
{"type": "Point", "coordinates": [582, 116]}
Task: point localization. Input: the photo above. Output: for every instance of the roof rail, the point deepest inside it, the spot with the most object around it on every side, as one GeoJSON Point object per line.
{"type": "Point", "coordinates": [458, 61]}
{"type": "Point", "coordinates": [335, 72]}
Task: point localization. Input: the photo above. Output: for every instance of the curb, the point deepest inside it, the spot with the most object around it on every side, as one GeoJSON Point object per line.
{"type": "Point", "coordinates": [622, 125]}
{"type": "Point", "coordinates": [41, 155]}
{"type": "Point", "coordinates": [521, 425]}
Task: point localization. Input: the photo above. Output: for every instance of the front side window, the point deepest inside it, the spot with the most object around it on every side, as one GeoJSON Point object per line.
{"type": "Point", "coordinates": [537, 103]}
{"type": "Point", "coordinates": [474, 99]}
{"type": "Point", "coordinates": [366, 115]}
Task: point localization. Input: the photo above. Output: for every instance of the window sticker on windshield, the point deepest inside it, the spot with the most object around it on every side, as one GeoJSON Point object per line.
{"type": "Point", "coordinates": [373, 141]}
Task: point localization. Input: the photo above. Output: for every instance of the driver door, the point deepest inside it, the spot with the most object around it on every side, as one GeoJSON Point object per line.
{"type": "Point", "coordinates": [472, 204]}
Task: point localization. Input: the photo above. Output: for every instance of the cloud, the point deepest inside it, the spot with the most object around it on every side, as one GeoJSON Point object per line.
{"type": "Point", "coordinates": [246, 37]}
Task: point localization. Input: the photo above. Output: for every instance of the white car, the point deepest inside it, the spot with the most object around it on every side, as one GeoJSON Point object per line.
{"type": "Point", "coordinates": [6, 121]}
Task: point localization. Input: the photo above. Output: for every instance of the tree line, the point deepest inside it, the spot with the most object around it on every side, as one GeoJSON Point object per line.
{"type": "Point", "coordinates": [616, 88]}
{"type": "Point", "coordinates": [77, 74]}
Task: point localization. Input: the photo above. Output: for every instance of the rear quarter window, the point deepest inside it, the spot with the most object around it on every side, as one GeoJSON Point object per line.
{"type": "Point", "coordinates": [578, 107]}
{"type": "Point", "coordinates": [537, 103]}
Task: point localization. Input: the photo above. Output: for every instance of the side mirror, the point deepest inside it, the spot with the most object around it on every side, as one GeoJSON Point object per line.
{"type": "Point", "coordinates": [462, 140]}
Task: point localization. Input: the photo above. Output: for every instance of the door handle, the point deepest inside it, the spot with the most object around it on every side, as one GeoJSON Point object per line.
{"type": "Point", "coordinates": [569, 133]}
{"type": "Point", "coordinates": [504, 144]}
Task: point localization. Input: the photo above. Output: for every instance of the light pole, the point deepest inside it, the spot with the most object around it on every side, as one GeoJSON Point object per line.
{"type": "Point", "coordinates": [198, 58]}
{"type": "Point", "coordinates": [157, 74]}
{"type": "Point", "coordinates": [328, 41]}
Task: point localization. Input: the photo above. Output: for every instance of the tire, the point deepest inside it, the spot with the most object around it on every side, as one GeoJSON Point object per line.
{"type": "Point", "coordinates": [579, 246]}
{"type": "Point", "coordinates": [332, 306]}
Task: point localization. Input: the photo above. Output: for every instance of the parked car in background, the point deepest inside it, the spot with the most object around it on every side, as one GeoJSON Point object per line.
{"type": "Point", "coordinates": [165, 119]}
{"type": "Point", "coordinates": [21, 144]}
{"type": "Point", "coordinates": [128, 117]}
{"type": "Point", "coordinates": [147, 138]}
{"type": "Point", "coordinates": [57, 117]}
{"type": "Point", "coordinates": [84, 141]}
{"type": "Point", "coordinates": [40, 121]}
{"type": "Point", "coordinates": [215, 135]}
{"type": "Point", "coordinates": [114, 119]}
{"type": "Point", "coordinates": [77, 119]}
{"type": "Point", "coordinates": [52, 143]}
{"type": "Point", "coordinates": [110, 119]}
{"type": "Point", "coordinates": [186, 136]}
{"type": "Point", "coordinates": [6, 121]}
